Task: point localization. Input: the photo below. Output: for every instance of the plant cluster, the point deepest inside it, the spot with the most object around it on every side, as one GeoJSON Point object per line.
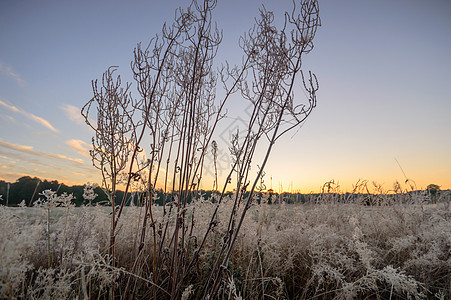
{"type": "Point", "coordinates": [160, 135]}
{"type": "Point", "coordinates": [332, 251]}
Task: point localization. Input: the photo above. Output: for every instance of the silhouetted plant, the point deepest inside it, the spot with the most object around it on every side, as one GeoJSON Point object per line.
{"type": "Point", "coordinates": [115, 133]}
{"type": "Point", "coordinates": [434, 191]}
{"type": "Point", "coordinates": [178, 109]}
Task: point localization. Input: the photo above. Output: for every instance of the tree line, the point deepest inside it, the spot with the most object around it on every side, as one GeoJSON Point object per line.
{"type": "Point", "coordinates": [29, 189]}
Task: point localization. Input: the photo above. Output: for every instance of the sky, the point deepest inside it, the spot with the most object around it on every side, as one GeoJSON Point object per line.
{"type": "Point", "coordinates": [384, 104]}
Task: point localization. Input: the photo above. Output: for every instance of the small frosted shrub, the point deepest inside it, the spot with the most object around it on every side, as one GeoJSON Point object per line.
{"type": "Point", "coordinates": [51, 284]}
{"type": "Point", "coordinates": [15, 244]}
{"type": "Point", "coordinates": [88, 193]}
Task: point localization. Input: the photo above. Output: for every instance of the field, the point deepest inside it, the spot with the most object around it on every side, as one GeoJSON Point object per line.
{"type": "Point", "coordinates": [284, 251]}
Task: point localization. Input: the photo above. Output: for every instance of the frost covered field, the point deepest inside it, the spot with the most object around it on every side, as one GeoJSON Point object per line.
{"type": "Point", "coordinates": [284, 251]}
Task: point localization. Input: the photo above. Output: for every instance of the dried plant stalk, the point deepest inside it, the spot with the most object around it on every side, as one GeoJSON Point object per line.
{"type": "Point", "coordinates": [175, 117]}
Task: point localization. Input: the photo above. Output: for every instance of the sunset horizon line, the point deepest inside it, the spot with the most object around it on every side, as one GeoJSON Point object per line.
{"type": "Point", "coordinates": [330, 187]}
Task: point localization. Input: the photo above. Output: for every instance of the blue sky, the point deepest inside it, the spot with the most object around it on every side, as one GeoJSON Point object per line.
{"type": "Point", "coordinates": [384, 69]}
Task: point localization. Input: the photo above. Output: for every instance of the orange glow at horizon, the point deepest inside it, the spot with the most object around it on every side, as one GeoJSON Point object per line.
{"type": "Point", "coordinates": [294, 186]}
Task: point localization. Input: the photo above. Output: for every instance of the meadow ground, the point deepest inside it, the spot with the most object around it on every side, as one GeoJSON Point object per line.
{"type": "Point", "coordinates": [325, 250]}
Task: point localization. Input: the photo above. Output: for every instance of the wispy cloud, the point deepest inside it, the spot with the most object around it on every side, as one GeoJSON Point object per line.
{"type": "Point", "coordinates": [81, 147]}
{"type": "Point", "coordinates": [17, 147]}
{"type": "Point", "coordinates": [31, 151]}
{"type": "Point", "coordinates": [10, 72]}
{"type": "Point", "coordinates": [64, 157]}
{"type": "Point", "coordinates": [8, 119]}
{"type": "Point", "coordinates": [18, 160]}
{"type": "Point", "coordinates": [73, 113]}
{"type": "Point", "coordinates": [28, 115]}
{"type": "Point", "coordinates": [30, 162]}
{"type": "Point", "coordinates": [11, 177]}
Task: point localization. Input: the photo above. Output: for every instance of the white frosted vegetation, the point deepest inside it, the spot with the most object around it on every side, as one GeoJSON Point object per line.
{"type": "Point", "coordinates": [332, 251]}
